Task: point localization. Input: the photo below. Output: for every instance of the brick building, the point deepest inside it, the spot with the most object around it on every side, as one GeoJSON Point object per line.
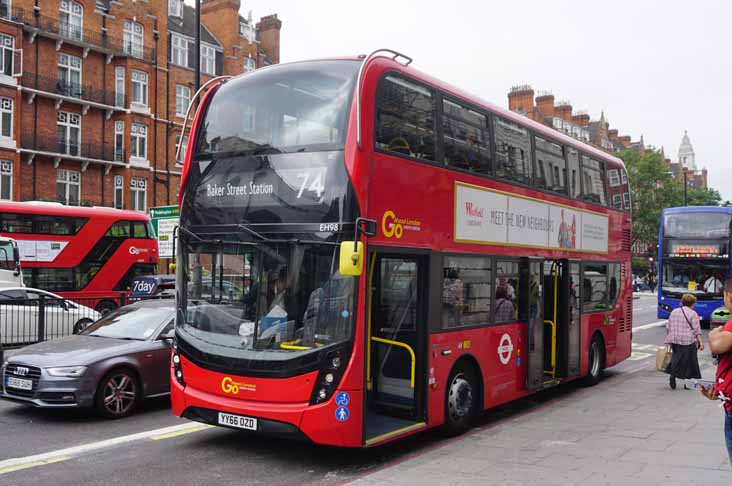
{"type": "Point", "coordinates": [93, 94]}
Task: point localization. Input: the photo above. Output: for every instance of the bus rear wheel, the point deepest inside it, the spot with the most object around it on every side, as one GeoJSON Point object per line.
{"type": "Point", "coordinates": [461, 400]}
{"type": "Point", "coordinates": [595, 362]}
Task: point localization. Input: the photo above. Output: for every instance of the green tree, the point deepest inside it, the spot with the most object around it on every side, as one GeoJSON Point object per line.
{"type": "Point", "coordinates": [701, 197]}
{"type": "Point", "coordinates": [653, 188]}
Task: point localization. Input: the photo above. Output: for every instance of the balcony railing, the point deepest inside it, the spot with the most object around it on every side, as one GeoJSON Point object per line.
{"type": "Point", "coordinates": [62, 147]}
{"type": "Point", "coordinates": [74, 90]}
{"type": "Point", "coordinates": [33, 20]}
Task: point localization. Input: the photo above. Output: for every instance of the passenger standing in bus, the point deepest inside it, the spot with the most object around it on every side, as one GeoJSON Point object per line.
{"type": "Point", "coordinates": [683, 333]}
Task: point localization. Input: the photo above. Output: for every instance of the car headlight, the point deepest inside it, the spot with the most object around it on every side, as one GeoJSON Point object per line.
{"type": "Point", "coordinates": [67, 371]}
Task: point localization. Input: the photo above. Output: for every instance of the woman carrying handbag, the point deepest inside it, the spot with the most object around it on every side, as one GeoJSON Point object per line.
{"type": "Point", "coordinates": [683, 333]}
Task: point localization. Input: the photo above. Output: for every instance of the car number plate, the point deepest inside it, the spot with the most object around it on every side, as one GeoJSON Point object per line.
{"type": "Point", "coordinates": [19, 383]}
{"type": "Point", "coordinates": [237, 421]}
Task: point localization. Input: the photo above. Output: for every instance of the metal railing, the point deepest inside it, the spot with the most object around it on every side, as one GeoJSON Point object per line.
{"type": "Point", "coordinates": [64, 147]}
{"type": "Point", "coordinates": [84, 92]}
{"type": "Point", "coordinates": [32, 20]}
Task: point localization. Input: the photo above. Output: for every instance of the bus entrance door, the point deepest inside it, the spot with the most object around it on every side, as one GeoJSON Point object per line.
{"type": "Point", "coordinates": [561, 320]}
{"type": "Point", "coordinates": [396, 336]}
{"type": "Point", "coordinates": [535, 363]}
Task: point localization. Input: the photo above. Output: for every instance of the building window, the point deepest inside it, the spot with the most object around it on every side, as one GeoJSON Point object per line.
{"type": "Point", "coordinates": [6, 180]}
{"type": "Point", "coordinates": [175, 8]}
{"type": "Point", "coordinates": [68, 131]}
{"type": "Point", "coordinates": [5, 9]}
{"type": "Point", "coordinates": [613, 177]}
{"type": "Point", "coordinates": [208, 60]}
{"type": "Point", "coordinates": [179, 50]}
{"type": "Point", "coordinates": [68, 186]}
{"type": "Point", "coordinates": [7, 53]}
{"type": "Point", "coordinates": [133, 39]}
{"type": "Point", "coordinates": [69, 75]}
{"type": "Point", "coordinates": [6, 118]}
{"type": "Point", "coordinates": [626, 200]}
{"type": "Point", "coordinates": [250, 64]}
{"type": "Point", "coordinates": [247, 31]}
{"type": "Point", "coordinates": [466, 291]}
{"type": "Point", "coordinates": [617, 201]}
{"type": "Point", "coordinates": [119, 86]}
{"type": "Point", "coordinates": [182, 99]}
{"type": "Point", "coordinates": [71, 19]}
{"type": "Point", "coordinates": [513, 151]}
{"type": "Point", "coordinates": [119, 141]}
{"type": "Point", "coordinates": [405, 118]}
{"type": "Point", "coordinates": [623, 176]}
{"type": "Point", "coordinates": [139, 87]}
{"type": "Point", "coordinates": [119, 192]}
{"type": "Point", "coordinates": [138, 141]}
{"type": "Point", "coordinates": [183, 148]}
{"type": "Point", "coordinates": [138, 193]}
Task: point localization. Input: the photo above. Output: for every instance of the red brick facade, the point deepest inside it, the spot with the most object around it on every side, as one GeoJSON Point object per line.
{"type": "Point", "coordinates": [84, 70]}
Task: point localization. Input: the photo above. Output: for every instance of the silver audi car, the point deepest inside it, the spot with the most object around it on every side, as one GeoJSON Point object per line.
{"type": "Point", "coordinates": [111, 366]}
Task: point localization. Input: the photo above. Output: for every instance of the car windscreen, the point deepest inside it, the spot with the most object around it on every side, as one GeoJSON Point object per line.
{"type": "Point", "coordinates": [131, 322]}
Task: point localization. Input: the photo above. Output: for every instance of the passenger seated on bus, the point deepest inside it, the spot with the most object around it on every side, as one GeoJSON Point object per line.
{"type": "Point", "coordinates": [452, 298]}
{"type": "Point", "coordinates": [399, 145]}
{"type": "Point", "coordinates": [505, 310]}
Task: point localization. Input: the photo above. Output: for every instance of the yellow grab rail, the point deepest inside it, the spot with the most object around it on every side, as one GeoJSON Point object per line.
{"type": "Point", "coordinates": [401, 345]}
{"type": "Point", "coordinates": [370, 293]}
{"type": "Point", "coordinates": [293, 347]}
{"type": "Point", "coordinates": [553, 323]}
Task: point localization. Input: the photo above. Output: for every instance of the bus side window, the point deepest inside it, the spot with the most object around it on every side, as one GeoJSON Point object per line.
{"type": "Point", "coordinates": [120, 229]}
{"type": "Point", "coordinates": [513, 151]}
{"type": "Point", "coordinates": [593, 181]}
{"type": "Point", "coordinates": [465, 138]}
{"type": "Point", "coordinates": [139, 229]}
{"type": "Point", "coordinates": [595, 287]}
{"type": "Point", "coordinates": [405, 118]}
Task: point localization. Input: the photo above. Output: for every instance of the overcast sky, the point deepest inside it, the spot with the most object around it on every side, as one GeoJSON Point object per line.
{"type": "Point", "coordinates": [656, 68]}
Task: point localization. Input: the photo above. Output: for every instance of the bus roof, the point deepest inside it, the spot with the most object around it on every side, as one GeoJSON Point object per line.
{"type": "Point", "coordinates": [698, 209]}
{"type": "Point", "coordinates": [537, 127]}
{"type": "Point", "coordinates": [57, 209]}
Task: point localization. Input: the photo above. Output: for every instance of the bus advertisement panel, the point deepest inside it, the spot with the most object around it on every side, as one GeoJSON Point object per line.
{"type": "Point", "coordinates": [91, 253]}
{"type": "Point", "coordinates": [366, 252]}
{"type": "Point", "coordinates": [693, 258]}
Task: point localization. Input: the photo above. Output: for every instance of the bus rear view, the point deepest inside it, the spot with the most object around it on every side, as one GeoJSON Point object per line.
{"type": "Point", "coordinates": [693, 257]}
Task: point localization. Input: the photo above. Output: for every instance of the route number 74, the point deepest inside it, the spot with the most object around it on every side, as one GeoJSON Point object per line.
{"type": "Point", "coordinates": [312, 182]}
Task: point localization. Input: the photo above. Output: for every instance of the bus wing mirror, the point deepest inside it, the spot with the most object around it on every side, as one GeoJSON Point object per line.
{"type": "Point", "coordinates": [16, 255]}
{"type": "Point", "coordinates": [351, 259]}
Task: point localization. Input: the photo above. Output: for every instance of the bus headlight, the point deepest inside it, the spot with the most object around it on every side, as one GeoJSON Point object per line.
{"type": "Point", "coordinates": [329, 376]}
{"type": "Point", "coordinates": [177, 369]}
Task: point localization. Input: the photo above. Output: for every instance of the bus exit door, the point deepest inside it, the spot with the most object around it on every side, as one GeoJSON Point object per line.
{"type": "Point", "coordinates": [397, 335]}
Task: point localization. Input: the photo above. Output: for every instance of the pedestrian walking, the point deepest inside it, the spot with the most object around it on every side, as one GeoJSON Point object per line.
{"type": "Point", "coordinates": [683, 333]}
{"type": "Point", "coordinates": [720, 343]}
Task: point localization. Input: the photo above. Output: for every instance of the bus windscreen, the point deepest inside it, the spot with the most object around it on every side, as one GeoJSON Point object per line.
{"type": "Point", "coordinates": [697, 225]}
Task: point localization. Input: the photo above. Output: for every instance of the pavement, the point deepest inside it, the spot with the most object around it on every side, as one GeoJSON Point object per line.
{"type": "Point", "coordinates": [630, 429]}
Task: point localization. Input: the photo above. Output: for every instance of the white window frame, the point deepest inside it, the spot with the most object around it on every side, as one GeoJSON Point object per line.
{"type": "Point", "coordinates": [119, 86]}
{"type": "Point", "coordinates": [73, 26]}
{"type": "Point", "coordinates": [617, 201]}
{"type": "Point", "coordinates": [179, 50]}
{"type": "Point", "coordinates": [626, 200]}
{"type": "Point", "coordinates": [69, 121]}
{"type": "Point", "coordinates": [7, 48]}
{"type": "Point", "coordinates": [69, 178]}
{"type": "Point", "coordinates": [208, 59]}
{"type": "Point", "coordinates": [6, 113]}
{"type": "Point", "coordinates": [138, 194]}
{"type": "Point", "coordinates": [175, 8]}
{"type": "Point", "coordinates": [9, 8]}
{"type": "Point", "coordinates": [141, 79]}
{"type": "Point", "coordinates": [138, 143]}
{"type": "Point", "coordinates": [184, 147]}
{"type": "Point", "coordinates": [133, 38]}
{"type": "Point", "coordinates": [250, 64]}
{"type": "Point", "coordinates": [623, 176]}
{"type": "Point", "coordinates": [613, 177]}
{"type": "Point", "coordinates": [119, 141]}
{"type": "Point", "coordinates": [70, 65]}
{"type": "Point", "coordinates": [119, 192]}
{"type": "Point", "coordinates": [6, 179]}
{"type": "Point", "coordinates": [182, 99]}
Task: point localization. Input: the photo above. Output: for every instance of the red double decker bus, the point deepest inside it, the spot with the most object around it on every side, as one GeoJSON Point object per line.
{"type": "Point", "coordinates": [367, 252]}
{"type": "Point", "coordinates": [92, 253]}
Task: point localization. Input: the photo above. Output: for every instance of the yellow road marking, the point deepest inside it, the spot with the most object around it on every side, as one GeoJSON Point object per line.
{"type": "Point", "coordinates": [181, 432]}
{"type": "Point", "coordinates": [29, 465]}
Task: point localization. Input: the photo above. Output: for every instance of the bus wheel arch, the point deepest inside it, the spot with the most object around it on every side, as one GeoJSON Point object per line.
{"type": "Point", "coordinates": [106, 306]}
{"type": "Point", "coordinates": [463, 389]}
{"type": "Point", "coordinates": [596, 359]}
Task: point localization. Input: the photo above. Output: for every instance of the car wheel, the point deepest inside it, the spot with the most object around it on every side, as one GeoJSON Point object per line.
{"type": "Point", "coordinates": [461, 400]}
{"type": "Point", "coordinates": [595, 362]}
{"type": "Point", "coordinates": [118, 394]}
{"type": "Point", "coordinates": [81, 325]}
{"type": "Point", "coordinates": [105, 307]}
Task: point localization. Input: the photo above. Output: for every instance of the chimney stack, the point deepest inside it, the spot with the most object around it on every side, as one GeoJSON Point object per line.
{"type": "Point", "coordinates": [521, 99]}
{"type": "Point", "coordinates": [268, 32]}
{"type": "Point", "coordinates": [545, 104]}
{"type": "Point", "coordinates": [564, 109]}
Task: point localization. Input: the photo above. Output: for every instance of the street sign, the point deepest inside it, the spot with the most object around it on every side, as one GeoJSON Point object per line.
{"type": "Point", "coordinates": [165, 220]}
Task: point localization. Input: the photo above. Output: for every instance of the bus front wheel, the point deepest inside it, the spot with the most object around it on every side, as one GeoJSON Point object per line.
{"type": "Point", "coordinates": [595, 362]}
{"type": "Point", "coordinates": [461, 400]}
{"type": "Point", "coordinates": [105, 307]}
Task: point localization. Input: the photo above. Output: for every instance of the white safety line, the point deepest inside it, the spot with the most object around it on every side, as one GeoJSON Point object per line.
{"type": "Point", "coordinates": [649, 326]}
{"type": "Point", "coordinates": [13, 464]}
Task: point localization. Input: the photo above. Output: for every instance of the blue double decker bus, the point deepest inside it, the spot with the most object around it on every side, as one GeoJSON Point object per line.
{"type": "Point", "coordinates": [693, 257]}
